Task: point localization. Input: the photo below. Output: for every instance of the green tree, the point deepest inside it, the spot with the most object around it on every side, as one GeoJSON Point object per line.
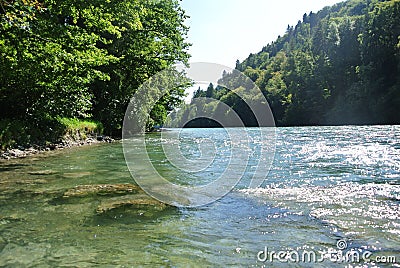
{"type": "Point", "coordinates": [340, 65]}
{"type": "Point", "coordinates": [210, 92]}
{"type": "Point", "coordinates": [66, 58]}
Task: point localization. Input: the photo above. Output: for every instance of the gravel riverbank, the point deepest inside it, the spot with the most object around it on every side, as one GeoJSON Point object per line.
{"type": "Point", "coordinates": [25, 151]}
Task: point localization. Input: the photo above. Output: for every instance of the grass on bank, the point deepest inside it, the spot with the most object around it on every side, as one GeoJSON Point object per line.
{"type": "Point", "coordinates": [24, 133]}
{"type": "Point", "coordinates": [73, 125]}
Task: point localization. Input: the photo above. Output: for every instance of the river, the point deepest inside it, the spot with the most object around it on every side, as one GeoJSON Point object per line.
{"type": "Point", "coordinates": [326, 184]}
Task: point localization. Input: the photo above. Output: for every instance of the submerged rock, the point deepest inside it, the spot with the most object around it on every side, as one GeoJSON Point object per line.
{"type": "Point", "coordinates": [136, 201]}
{"type": "Point", "coordinates": [128, 199]}
{"type": "Point", "coordinates": [42, 172]}
{"type": "Point", "coordinates": [77, 174]}
{"type": "Point", "coordinates": [3, 243]}
{"type": "Point", "coordinates": [101, 189]}
{"type": "Point", "coordinates": [27, 255]}
{"type": "Point", "coordinates": [9, 220]}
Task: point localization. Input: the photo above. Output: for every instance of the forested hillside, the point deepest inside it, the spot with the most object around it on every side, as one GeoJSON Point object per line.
{"type": "Point", "coordinates": [82, 59]}
{"type": "Point", "coordinates": [338, 66]}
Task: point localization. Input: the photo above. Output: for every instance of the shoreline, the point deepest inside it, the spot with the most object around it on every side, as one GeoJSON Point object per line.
{"type": "Point", "coordinates": [66, 143]}
{"type": "Point", "coordinates": [70, 142]}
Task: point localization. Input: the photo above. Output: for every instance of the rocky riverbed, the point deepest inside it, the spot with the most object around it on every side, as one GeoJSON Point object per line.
{"type": "Point", "coordinates": [67, 142]}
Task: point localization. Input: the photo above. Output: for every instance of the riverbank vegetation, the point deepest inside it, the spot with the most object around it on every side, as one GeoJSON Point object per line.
{"type": "Point", "coordinates": [81, 60]}
{"type": "Point", "coordinates": [25, 134]}
{"type": "Point", "coordinates": [338, 66]}
{"type": "Point", "coordinates": [75, 65]}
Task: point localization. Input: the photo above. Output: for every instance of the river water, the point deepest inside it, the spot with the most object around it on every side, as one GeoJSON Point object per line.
{"type": "Point", "coordinates": [326, 184]}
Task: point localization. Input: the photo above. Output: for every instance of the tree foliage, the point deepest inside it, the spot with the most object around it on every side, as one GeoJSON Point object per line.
{"type": "Point", "coordinates": [85, 59]}
{"type": "Point", "coordinates": [340, 65]}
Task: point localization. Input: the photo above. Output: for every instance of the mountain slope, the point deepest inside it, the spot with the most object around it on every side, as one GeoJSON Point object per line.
{"type": "Point", "coordinates": [338, 66]}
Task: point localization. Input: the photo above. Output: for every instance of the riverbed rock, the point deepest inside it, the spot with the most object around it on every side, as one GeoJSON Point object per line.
{"type": "Point", "coordinates": [90, 140]}
{"type": "Point", "coordinates": [105, 138]}
{"type": "Point", "coordinates": [27, 255]}
{"type": "Point", "coordinates": [9, 220]}
{"type": "Point", "coordinates": [31, 150]}
{"type": "Point", "coordinates": [6, 156]}
{"type": "Point", "coordinates": [101, 189]}
{"type": "Point", "coordinates": [3, 243]}
{"type": "Point", "coordinates": [45, 172]}
{"type": "Point", "coordinates": [65, 142]}
{"type": "Point", "coordinates": [108, 139]}
{"type": "Point", "coordinates": [135, 201]}
{"type": "Point", "coordinates": [17, 153]}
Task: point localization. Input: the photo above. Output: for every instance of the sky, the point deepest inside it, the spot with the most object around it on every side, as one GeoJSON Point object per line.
{"type": "Point", "coordinates": [222, 31]}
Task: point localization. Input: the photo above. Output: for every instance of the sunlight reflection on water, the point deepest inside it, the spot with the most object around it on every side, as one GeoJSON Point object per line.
{"type": "Point", "coordinates": [326, 183]}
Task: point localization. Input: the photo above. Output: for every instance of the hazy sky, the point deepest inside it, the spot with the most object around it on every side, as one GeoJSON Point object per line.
{"type": "Point", "coordinates": [223, 31]}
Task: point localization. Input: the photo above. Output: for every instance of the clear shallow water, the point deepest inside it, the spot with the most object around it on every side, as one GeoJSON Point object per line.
{"type": "Point", "coordinates": [326, 183]}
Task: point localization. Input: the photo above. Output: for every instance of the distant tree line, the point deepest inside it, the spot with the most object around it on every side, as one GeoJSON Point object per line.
{"type": "Point", "coordinates": [338, 66]}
